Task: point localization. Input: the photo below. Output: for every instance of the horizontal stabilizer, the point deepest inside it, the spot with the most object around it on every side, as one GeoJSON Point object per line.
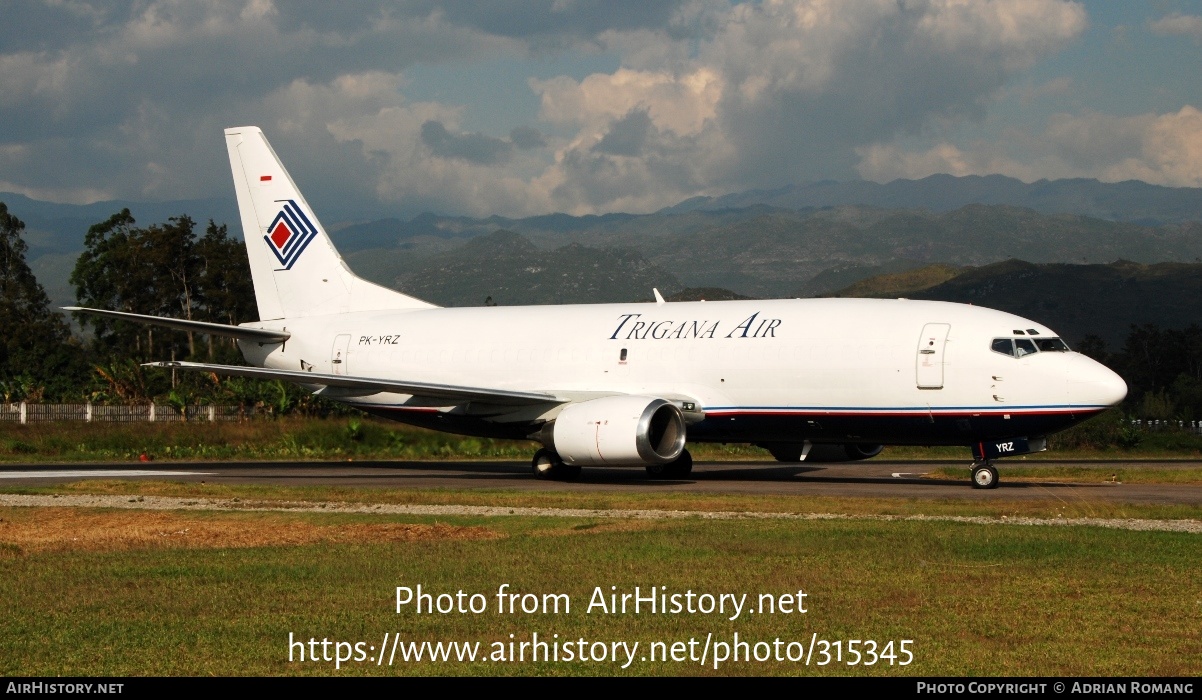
{"type": "Point", "coordinates": [241, 332]}
{"type": "Point", "coordinates": [456, 394]}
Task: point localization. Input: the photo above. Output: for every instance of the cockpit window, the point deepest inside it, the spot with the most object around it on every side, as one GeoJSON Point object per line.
{"type": "Point", "coordinates": [1003, 345]}
{"type": "Point", "coordinates": [1051, 345]}
{"type": "Point", "coordinates": [1017, 347]}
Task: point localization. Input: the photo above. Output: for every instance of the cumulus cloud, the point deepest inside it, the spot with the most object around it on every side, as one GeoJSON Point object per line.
{"type": "Point", "coordinates": [626, 136]}
{"type": "Point", "coordinates": [416, 157]}
{"type": "Point", "coordinates": [133, 99]}
{"type": "Point", "coordinates": [681, 103]}
{"type": "Point", "coordinates": [1163, 149]}
{"type": "Point", "coordinates": [1180, 25]}
{"type": "Point", "coordinates": [474, 148]}
{"type": "Point", "coordinates": [707, 97]}
{"type": "Point", "coordinates": [527, 137]}
{"type": "Point", "coordinates": [787, 90]}
{"type": "Point", "coordinates": [557, 23]}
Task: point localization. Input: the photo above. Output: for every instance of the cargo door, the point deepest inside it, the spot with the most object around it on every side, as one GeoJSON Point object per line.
{"type": "Point", "coordinates": [338, 354]}
{"type": "Point", "coordinates": [929, 364]}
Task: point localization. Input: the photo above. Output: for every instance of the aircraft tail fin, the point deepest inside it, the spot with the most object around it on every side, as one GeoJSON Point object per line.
{"type": "Point", "coordinates": [295, 268]}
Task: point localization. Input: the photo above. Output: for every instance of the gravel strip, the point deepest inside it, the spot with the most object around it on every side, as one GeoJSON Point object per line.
{"type": "Point", "coordinates": [175, 503]}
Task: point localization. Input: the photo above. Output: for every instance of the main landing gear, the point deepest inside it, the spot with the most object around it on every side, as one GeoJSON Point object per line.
{"type": "Point", "coordinates": [984, 475]}
{"type": "Point", "coordinates": [681, 467]}
{"type": "Point", "coordinates": [547, 465]}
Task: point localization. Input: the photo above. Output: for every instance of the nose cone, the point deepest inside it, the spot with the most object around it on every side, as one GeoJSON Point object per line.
{"type": "Point", "coordinates": [1092, 383]}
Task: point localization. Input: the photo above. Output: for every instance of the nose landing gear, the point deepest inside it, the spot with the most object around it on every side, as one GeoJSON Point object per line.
{"type": "Point", "coordinates": [984, 475]}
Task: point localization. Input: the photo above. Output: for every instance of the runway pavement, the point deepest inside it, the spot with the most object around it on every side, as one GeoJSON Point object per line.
{"type": "Point", "coordinates": [863, 479]}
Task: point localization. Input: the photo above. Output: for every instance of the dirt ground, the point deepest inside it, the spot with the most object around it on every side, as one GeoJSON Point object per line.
{"type": "Point", "coordinates": [79, 529]}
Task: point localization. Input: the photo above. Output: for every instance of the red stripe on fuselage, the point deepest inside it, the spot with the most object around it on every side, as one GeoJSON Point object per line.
{"type": "Point", "coordinates": [885, 413]}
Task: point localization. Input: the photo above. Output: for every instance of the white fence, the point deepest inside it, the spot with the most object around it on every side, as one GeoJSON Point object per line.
{"type": "Point", "coordinates": [1189, 426]}
{"type": "Point", "coordinates": [85, 412]}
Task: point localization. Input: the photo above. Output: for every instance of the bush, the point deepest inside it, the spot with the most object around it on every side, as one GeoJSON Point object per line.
{"type": "Point", "coordinates": [1097, 433]}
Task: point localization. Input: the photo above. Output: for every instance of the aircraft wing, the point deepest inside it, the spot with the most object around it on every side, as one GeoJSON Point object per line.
{"type": "Point", "coordinates": [456, 394]}
{"type": "Point", "coordinates": [260, 335]}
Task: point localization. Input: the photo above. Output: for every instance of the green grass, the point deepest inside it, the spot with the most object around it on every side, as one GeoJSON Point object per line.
{"type": "Point", "coordinates": [291, 439]}
{"type": "Point", "coordinates": [976, 600]}
{"type": "Point", "coordinates": [367, 438]}
{"type": "Point", "coordinates": [285, 439]}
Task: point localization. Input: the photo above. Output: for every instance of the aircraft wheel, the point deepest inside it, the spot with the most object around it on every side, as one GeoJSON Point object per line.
{"type": "Point", "coordinates": [657, 471]}
{"type": "Point", "coordinates": [546, 464]}
{"type": "Point", "coordinates": [984, 476]}
{"type": "Point", "coordinates": [679, 468]}
{"type": "Point", "coordinates": [682, 467]}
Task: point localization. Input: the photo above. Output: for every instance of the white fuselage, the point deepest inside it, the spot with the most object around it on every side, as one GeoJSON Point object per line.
{"type": "Point", "coordinates": [897, 371]}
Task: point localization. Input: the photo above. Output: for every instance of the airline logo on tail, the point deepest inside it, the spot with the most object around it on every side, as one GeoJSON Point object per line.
{"type": "Point", "coordinates": [290, 233]}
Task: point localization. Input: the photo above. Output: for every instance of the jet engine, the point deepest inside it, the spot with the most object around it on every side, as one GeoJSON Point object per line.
{"type": "Point", "coordinates": [617, 430]}
{"type": "Point", "coordinates": [848, 452]}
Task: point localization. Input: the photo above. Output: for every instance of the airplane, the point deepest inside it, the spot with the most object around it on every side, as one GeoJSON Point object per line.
{"type": "Point", "coordinates": [630, 384]}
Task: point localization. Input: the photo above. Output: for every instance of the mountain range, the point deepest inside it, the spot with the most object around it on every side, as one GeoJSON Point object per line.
{"type": "Point", "coordinates": [1131, 200]}
{"type": "Point", "coordinates": [950, 234]}
{"type": "Point", "coordinates": [1073, 300]}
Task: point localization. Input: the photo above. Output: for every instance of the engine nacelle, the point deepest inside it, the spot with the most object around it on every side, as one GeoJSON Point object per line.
{"type": "Point", "coordinates": [792, 452]}
{"type": "Point", "coordinates": [616, 431]}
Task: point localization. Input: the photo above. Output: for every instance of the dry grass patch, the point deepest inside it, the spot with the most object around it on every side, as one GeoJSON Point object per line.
{"type": "Point", "coordinates": [274, 495]}
{"type": "Point", "coordinates": [79, 529]}
{"type": "Point", "coordinates": [596, 527]}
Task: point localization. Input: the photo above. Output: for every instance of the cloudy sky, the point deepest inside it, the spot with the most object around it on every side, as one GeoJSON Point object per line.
{"type": "Point", "coordinates": [583, 106]}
